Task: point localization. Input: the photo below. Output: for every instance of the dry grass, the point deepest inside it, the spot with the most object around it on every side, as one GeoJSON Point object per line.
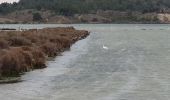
{"type": "Point", "coordinates": [4, 44]}
{"type": "Point", "coordinates": [19, 41]}
{"type": "Point", "coordinates": [27, 50]}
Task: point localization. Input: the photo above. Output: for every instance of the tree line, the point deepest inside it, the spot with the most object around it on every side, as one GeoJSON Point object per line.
{"type": "Point", "coordinates": [70, 7]}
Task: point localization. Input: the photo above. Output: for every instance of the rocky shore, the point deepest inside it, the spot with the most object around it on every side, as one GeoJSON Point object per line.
{"type": "Point", "coordinates": [23, 51]}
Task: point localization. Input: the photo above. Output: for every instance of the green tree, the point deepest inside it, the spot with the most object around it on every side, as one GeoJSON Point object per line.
{"type": "Point", "coordinates": [71, 7]}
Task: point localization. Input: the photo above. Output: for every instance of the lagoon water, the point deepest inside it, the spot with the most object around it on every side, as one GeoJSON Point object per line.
{"type": "Point", "coordinates": [136, 66]}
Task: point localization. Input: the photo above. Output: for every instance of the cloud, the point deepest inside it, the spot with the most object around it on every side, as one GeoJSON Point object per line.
{"type": "Point", "coordinates": [10, 1]}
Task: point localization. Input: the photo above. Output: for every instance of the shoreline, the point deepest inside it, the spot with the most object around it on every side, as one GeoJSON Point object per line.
{"type": "Point", "coordinates": [92, 23]}
{"type": "Point", "coordinates": [23, 51]}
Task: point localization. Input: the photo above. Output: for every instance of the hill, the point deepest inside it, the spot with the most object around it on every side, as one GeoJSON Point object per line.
{"type": "Point", "coordinates": [78, 11]}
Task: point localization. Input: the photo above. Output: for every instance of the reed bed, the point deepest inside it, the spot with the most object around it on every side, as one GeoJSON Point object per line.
{"type": "Point", "coordinates": [23, 51]}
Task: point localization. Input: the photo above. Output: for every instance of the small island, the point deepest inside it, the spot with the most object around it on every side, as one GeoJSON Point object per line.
{"type": "Point", "coordinates": [24, 50]}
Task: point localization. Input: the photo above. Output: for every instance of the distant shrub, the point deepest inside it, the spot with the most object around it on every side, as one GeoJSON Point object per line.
{"type": "Point", "coordinates": [30, 12]}
{"type": "Point", "coordinates": [37, 17]}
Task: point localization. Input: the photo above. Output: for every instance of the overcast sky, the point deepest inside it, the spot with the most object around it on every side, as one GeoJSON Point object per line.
{"type": "Point", "coordinates": [8, 1]}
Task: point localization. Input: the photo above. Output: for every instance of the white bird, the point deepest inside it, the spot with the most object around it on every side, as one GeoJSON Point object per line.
{"type": "Point", "coordinates": [19, 29]}
{"type": "Point", "coordinates": [104, 47]}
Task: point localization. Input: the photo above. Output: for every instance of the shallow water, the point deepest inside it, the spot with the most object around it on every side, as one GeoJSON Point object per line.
{"type": "Point", "coordinates": [135, 67]}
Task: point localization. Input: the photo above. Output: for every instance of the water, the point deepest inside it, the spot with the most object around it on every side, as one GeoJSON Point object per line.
{"type": "Point", "coordinates": [135, 67]}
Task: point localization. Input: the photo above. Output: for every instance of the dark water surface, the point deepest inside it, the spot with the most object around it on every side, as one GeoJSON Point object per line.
{"type": "Point", "coordinates": [135, 67]}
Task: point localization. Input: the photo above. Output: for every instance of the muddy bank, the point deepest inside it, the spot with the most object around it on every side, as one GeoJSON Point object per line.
{"type": "Point", "coordinates": [23, 51]}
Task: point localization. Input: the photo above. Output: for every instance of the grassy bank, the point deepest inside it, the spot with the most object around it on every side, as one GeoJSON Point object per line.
{"type": "Point", "coordinates": [23, 51]}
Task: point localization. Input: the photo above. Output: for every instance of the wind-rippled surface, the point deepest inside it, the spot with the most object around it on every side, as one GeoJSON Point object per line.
{"type": "Point", "coordinates": [135, 67]}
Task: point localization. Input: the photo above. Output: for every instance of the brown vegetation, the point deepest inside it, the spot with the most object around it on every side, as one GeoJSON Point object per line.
{"type": "Point", "coordinates": [23, 51]}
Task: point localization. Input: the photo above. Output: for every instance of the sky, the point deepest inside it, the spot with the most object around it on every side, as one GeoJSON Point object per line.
{"type": "Point", "coordinates": [10, 1]}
